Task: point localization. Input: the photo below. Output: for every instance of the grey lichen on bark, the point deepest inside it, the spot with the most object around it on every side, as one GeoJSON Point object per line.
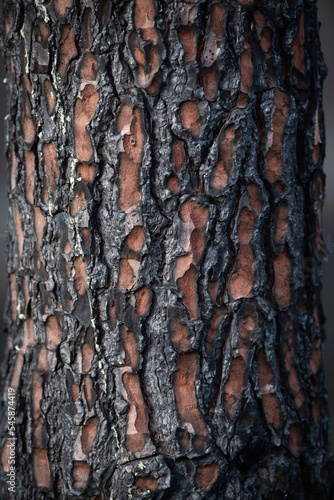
{"type": "Point", "coordinates": [165, 180]}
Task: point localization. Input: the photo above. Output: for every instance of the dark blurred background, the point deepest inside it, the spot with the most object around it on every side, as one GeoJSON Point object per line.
{"type": "Point", "coordinates": [326, 17]}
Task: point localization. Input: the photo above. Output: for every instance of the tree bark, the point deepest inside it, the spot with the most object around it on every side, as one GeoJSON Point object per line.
{"type": "Point", "coordinates": [165, 330]}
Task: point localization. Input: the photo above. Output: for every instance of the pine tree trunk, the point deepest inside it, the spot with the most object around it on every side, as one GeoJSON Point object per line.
{"type": "Point", "coordinates": [165, 329]}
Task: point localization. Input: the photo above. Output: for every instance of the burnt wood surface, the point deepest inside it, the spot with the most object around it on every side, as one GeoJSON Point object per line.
{"type": "Point", "coordinates": [164, 322]}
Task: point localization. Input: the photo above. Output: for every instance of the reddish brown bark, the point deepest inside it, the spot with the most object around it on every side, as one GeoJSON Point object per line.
{"type": "Point", "coordinates": [165, 177]}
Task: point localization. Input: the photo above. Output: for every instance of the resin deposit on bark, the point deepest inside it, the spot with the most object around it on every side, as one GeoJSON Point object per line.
{"type": "Point", "coordinates": [165, 334]}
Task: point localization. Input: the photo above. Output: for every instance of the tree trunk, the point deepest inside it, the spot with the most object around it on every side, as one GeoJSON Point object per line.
{"type": "Point", "coordinates": [164, 321]}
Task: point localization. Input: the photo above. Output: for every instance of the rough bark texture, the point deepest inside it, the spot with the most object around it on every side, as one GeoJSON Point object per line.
{"type": "Point", "coordinates": [164, 322]}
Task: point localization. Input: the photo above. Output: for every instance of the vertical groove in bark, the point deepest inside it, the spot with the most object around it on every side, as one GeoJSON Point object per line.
{"type": "Point", "coordinates": [164, 320]}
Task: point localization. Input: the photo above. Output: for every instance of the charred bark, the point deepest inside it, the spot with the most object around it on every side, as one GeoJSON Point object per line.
{"type": "Point", "coordinates": [165, 329]}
